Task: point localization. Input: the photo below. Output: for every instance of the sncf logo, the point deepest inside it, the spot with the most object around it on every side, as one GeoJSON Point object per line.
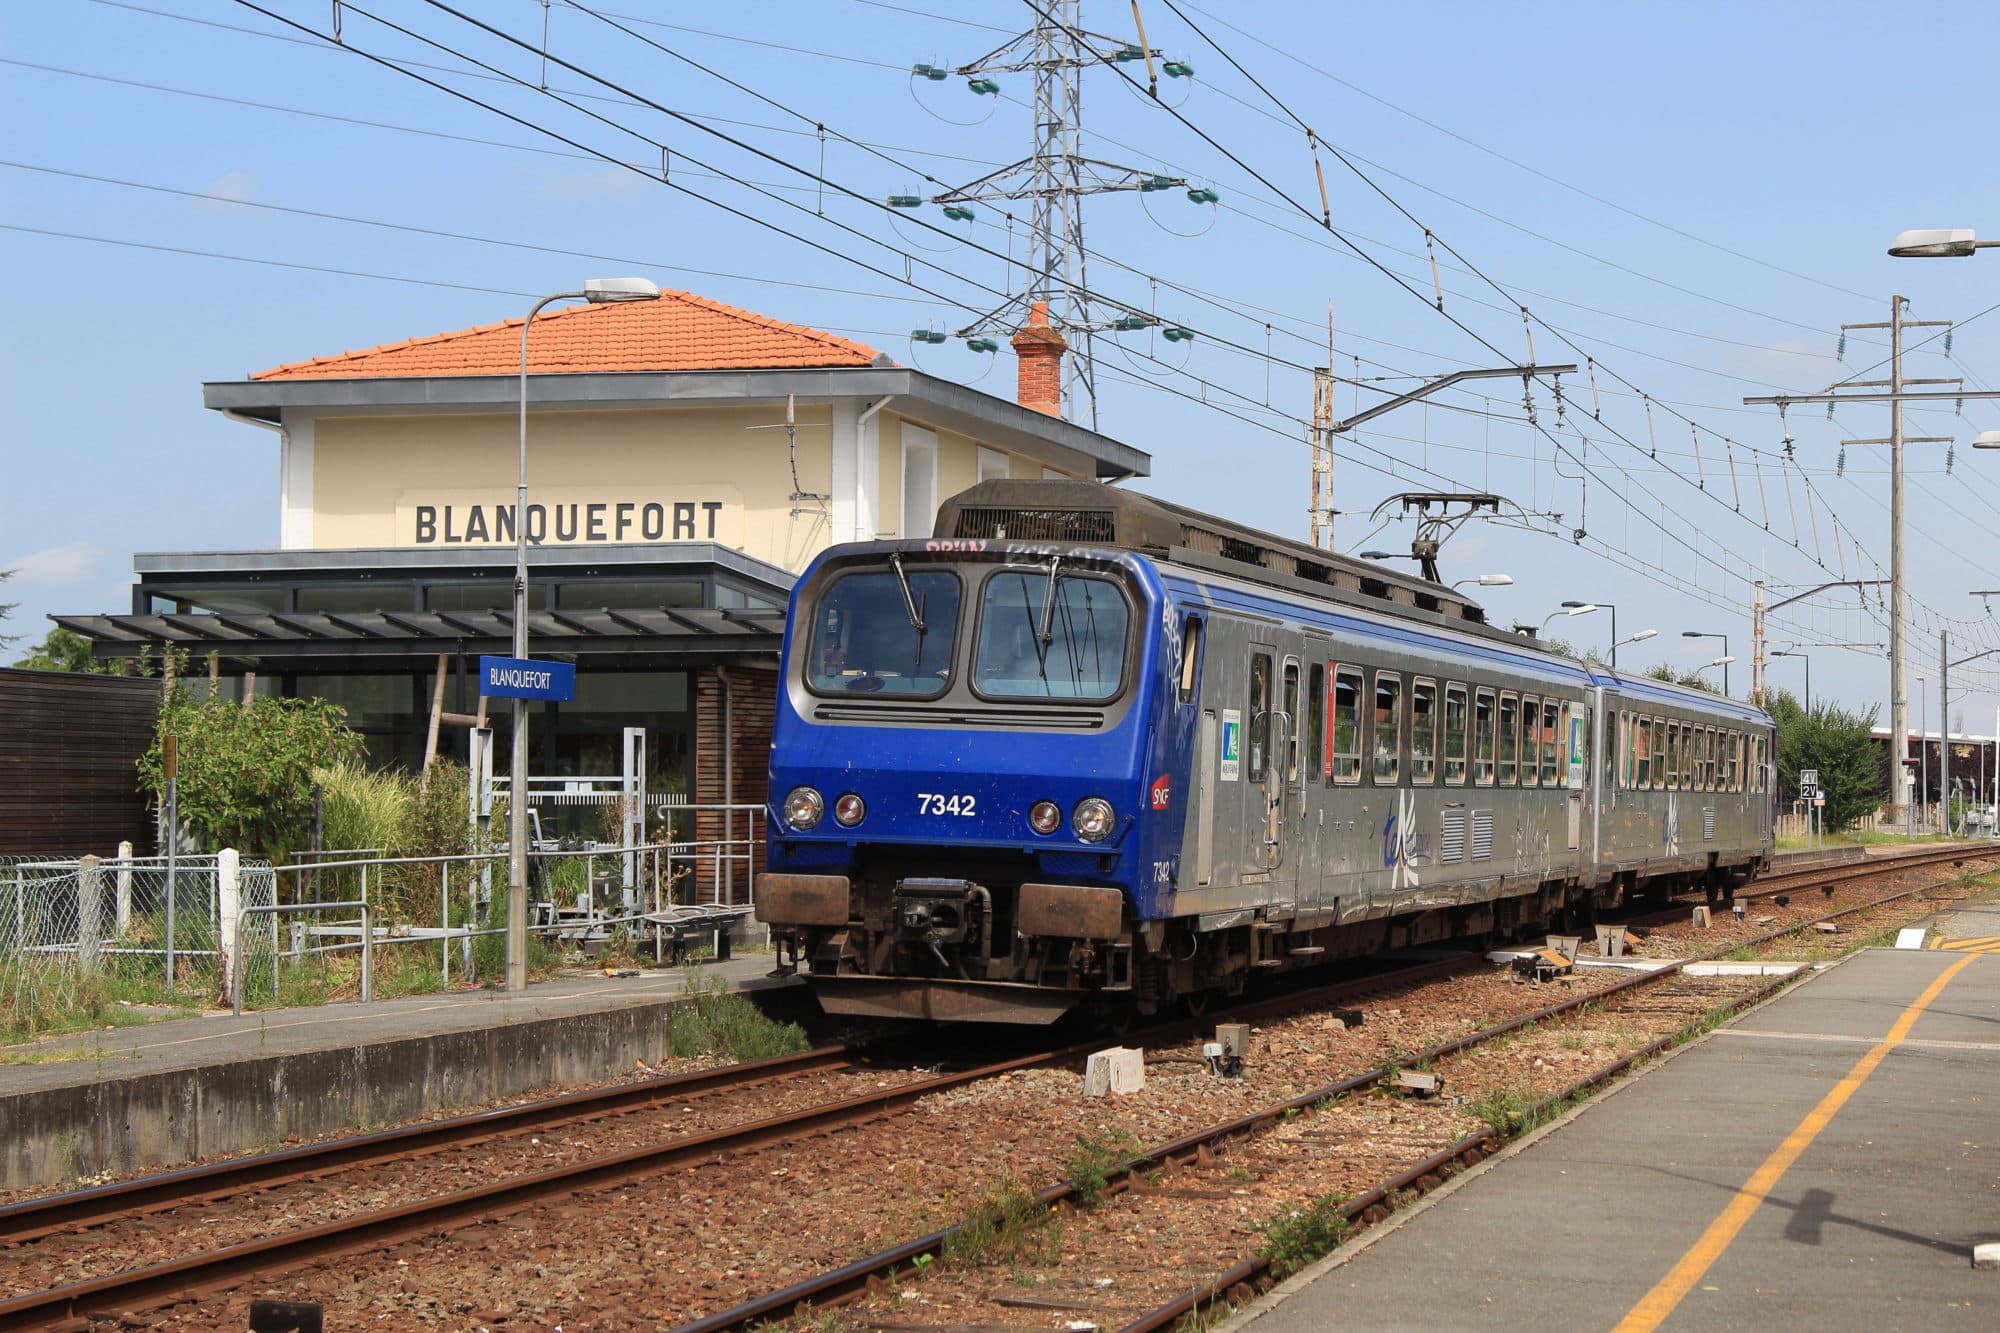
{"type": "Point", "coordinates": [1163, 792]}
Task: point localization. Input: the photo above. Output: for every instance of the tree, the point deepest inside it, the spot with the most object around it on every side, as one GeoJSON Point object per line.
{"type": "Point", "coordinates": [64, 650]}
{"type": "Point", "coordinates": [1694, 680]}
{"type": "Point", "coordinates": [246, 770]}
{"type": "Point", "coordinates": [1836, 742]}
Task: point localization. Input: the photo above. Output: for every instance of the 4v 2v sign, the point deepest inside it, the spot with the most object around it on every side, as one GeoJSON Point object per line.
{"type": "Point", "coordinates": [525, 678]}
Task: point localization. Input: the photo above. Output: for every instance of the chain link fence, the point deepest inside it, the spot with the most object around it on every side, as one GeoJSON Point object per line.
{"type": "Point", "coordinates": [81, 934]}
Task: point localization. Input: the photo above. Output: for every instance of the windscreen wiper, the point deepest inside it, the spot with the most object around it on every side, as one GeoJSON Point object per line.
{"type": "Point", "coordinates": [909, 601]}
{"type": "Point", "coordinates": [1046, 634]}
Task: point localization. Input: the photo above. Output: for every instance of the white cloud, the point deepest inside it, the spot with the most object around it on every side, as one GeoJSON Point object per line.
{"type": "Point", "coordinates": [581, 185]}
{"type": "Point", "coordinates": [57, 567]}
{"type": "Point", "coordinates": [227, 190]}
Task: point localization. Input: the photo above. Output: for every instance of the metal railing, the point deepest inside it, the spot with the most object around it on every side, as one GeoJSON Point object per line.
{"type": "Point", "coordinates": [367, 945]}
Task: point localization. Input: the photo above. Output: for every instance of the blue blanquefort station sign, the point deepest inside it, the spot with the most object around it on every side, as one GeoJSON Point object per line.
{"type": "Point", "coordinates": [525, 678]}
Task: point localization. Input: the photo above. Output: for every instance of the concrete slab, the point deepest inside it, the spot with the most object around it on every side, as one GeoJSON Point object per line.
{"type": "Point", "coordinates": [190, 1088]}
{"type": "Point", "coordinates": [1872, 1227]}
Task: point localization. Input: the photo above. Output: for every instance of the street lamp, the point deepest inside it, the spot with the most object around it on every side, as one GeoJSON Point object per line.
{"type": "Point", "coordinates": [1614, 625]}
{"type": "Point", "coordinates": [1722, 661]}
{"type": "Point", "coordinates": [597, 291]}
{"type": "Point", "coordinates": [1487, 581]}
{"type": "Point", "coordinates": [1803, 657]}
{"type": "Point", "coordinates": [1986, 439]}
{"type": "Point", "coordinates": [1568, 609]}
{"type": "Point", "coordinates": [1640, 637]}
{"type": "Point", "coordinates": [1937, 243]}
{"type": "Point", "coordinates": [1387, 555]}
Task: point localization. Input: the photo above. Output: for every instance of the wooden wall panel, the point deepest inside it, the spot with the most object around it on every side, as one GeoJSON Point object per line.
{"type": "Point", "coordinates": [69, 747]}
{"type": "Point", "coordinates": [752, 704]}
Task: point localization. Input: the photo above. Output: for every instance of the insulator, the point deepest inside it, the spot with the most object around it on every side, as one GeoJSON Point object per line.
{"type": "Point", "coordinates": [931, 72]}
{"type": "Point", "coordinates": [1959, 403]}
{"type": "Point", "coordinates": [1130, 323]}
{"type": "Point", "coordinates": [958, 212]}
{"type": "Point", "coordinates": [927, 335]}
{"type": "Point", "coordinates": [1840, 463]}
{"type": "Point", "coordinates": [1179, 69]}
{"type": "Point", "coordinates": [905, 201]}
{"type": "Point", "coordinates": [1148, 184]}
{"type": "Point", "coordinates": [1203, 195]}
{"type": "Point", "coordinates": [1950, 453]}
{"type": "Point", "coordinates": [1128, 53]}
{"type": "Point", "coordinates": [1947, 342]}
{"type": "Point", "coordinates": [1829, 411]}
{"type": "Point", "coordinates": [984, 87]}
{"type": "Point", "coordinates": [1840, 351]}
{"type": "Point", "coordinates": [981, 345]}
{"type": "Point", "coordinates": [1180, 335]}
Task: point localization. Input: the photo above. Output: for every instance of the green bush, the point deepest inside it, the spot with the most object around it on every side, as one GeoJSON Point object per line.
{"type": "Point", "coordinates": [715, 1020]}
{"type": "Point", "coordinates": [1297, 1237]}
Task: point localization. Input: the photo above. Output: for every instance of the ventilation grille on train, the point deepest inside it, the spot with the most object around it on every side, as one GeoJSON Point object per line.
{"type": "Point", "coordinates": [1451, 840]}
{"type": "Point", "coordinates": [1482, 834]}
{"type": "Point", "coordinates": [1708, 823]}
{"type": "Point", "coordinates": [1037, 719]}
{"type": "Point", "coordinates": [1037, 525]}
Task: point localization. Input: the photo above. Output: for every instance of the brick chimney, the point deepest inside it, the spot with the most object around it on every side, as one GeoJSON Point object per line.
{"type": "Point", "coordinates": [1039, 349]}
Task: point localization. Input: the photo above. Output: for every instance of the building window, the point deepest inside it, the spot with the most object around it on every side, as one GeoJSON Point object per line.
{"type": "Point", "coordinates": [364, 597]}
{"type": "Point", "coordinates": [495, 596]}
{"type": "Point", "coordinates": [993, 465]}
{"type": "Point", "coordinates": [626, 596]}
{"type": "Point", "coordinates": [919, 481]}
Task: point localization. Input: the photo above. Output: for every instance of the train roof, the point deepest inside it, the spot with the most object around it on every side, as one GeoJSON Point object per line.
{"type": "Point", "coordinates": [1088, 514]}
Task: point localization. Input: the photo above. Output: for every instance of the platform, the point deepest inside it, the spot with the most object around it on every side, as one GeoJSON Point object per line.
{"type": "Point", "coordinates": [169, 1092]}
{"type": "Point", "coordinates": [1828, 1160]}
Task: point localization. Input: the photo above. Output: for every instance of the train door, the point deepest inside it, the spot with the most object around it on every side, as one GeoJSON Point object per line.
{"type": "Point", "coordinates": [1600, 784]}
{"type": "Point", "coordinates": [1578, 732]}
{"type": "Point", "coordinates": [1264, 792]}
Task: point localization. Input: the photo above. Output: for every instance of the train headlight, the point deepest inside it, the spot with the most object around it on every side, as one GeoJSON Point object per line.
{"type": "Point", "coordinates": [848, 810]}
{"type": "Point", "coordinates": [803, 807]}
{"type": "Point", "coordinates": [1092, 819]}
{"type": "Point", "coordinates": [1045, 817]}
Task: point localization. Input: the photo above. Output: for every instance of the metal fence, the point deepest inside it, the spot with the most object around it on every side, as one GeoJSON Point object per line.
{"type": "Point", "coordinates": [83, 932]}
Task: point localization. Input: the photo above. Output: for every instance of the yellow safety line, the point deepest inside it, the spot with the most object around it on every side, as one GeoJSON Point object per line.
{"type": "Point", "coordinates": [1667, 1294]}
{"type": "Point", "coordinates": [1970, 942]}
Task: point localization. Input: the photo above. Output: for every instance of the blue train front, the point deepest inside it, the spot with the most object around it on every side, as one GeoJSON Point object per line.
{"type": "Point", "coordinates": [974, 746]}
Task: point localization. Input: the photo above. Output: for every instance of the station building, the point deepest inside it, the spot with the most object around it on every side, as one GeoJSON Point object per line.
{"type": "Point", "coordinates": [686, 459]}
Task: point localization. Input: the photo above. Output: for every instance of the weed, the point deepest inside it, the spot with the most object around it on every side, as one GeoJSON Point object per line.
{"type": "Point", "coordinates": [715, 1019]}
{"type": "Point", "coordinates": [1298, 1236]}
{"type": "Point", "coordinates": [1574, 1040]}
{"type": "Point", "coordinates": [1240, 1174]}
{"type": "Point", "coordinates": [1006, 1226]}
{"type": "Point", "coordinates": [1504, 1110]}
{"type": "Point", "coordinates": [1090, 1166]}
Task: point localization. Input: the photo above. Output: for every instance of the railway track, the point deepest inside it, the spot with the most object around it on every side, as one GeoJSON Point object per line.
{"type": "Point", "coordinates": [1665, 996]}
{"type": "Point", "coordinates": [223, 1267]}
{"type": "Point", "coordinates": [211, 1270]}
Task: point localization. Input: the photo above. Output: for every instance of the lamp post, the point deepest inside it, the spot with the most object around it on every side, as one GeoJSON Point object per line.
{"type": "Point", "coordinates": [1640, 637]}
{"type": "Point", "coordinates": [597, 291]}
{"type": "Point", "coordinates": [1613, 609]}
{"type": "Point", "coordinates": [1568, 609]}
{"type": "Point", "coordinates": [1487, 581]}
{"type": "Point", "coordinates": [1807, 659]}
{"type": "Point", "coordinates": [1722, 661]}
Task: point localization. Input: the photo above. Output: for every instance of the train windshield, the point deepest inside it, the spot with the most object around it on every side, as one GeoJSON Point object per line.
{"type": "Point", "coordinates": [1043, 641]}
{"type": "Point", "coordinates": [869, 638]}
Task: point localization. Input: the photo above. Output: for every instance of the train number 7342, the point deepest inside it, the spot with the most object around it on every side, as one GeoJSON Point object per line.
{"type": "Point", "coordinates": [934, 803]}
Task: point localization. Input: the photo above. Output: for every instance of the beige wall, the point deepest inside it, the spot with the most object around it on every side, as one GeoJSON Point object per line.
{"type": "Point", "coordinates": [385, 481]}
{"type": "Point", "coordinates": [719, 474]}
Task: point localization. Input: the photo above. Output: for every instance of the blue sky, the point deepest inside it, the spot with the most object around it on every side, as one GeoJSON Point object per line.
{"type": "Point", "coordinates": [1696, 195]}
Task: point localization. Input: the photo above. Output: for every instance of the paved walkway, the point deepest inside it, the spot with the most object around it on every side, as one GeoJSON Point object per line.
{"type": "Point", "coordinates": [1827, 1161]}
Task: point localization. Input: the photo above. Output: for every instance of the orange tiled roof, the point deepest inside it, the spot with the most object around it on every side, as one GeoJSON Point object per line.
{"type": "Point", "coordinates": [680, 331]}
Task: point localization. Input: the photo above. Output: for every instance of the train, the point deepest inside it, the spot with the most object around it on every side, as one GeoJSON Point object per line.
{"type": "Point", "coordinates": [1083, 749]}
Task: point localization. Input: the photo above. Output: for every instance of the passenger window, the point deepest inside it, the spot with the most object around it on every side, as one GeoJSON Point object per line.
{"type": "Point", "coordinates": [1292, 757]}
{"type": "Point", "coordinates": [1454, 734]}
{"type": "Point", "coordinates": [1736, 761]}
{"type": "Point", "coordinates": [1315, 718]}
{"type": "Point", "coordinates": [1531, 740]}
{"type": "Point", "coordinates": [1346, 724]}
{"type": "Point", "coordinates": [1190, 657]}
{"type": "Point", "coordinates": [1482, 737]}
{"type": "Point", "coordinates": [1260, 712]}
{"type": "Point", "coordinates": [1642, 753]}
{"type": "Point", "coordinates": [1423, 732]}
{"type": "Point", "coordinates": [1551, 742]}
{"type": "Point", "coordinates": [1660, 769]}
{"type": "Point", "coordinates": [1388, 727]}
{"type": "Point", "coordinates": [1510, 737]}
